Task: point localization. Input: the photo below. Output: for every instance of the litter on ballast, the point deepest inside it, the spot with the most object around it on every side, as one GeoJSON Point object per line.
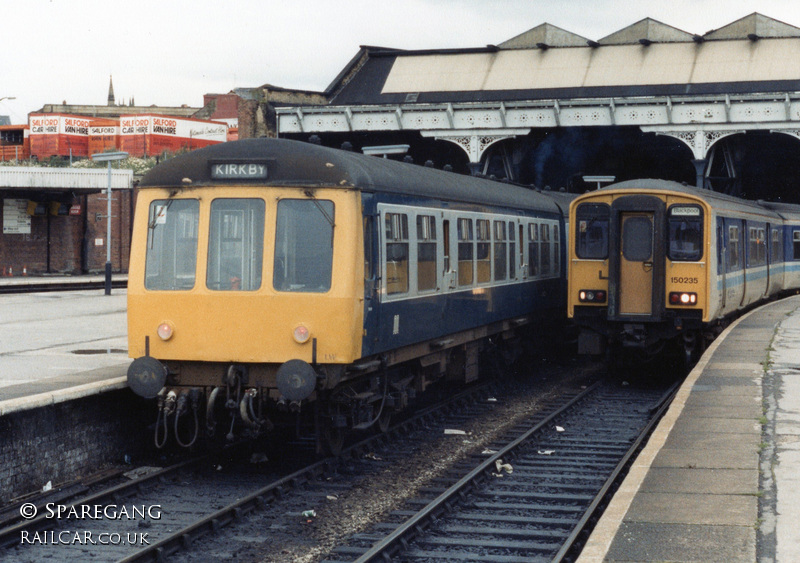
{"type": "Point", "coordinates": [546, 452]}
{"type": "Point", "coordinates": [500, 466]}
{"type": "Point", "coordinates": [454, 431]}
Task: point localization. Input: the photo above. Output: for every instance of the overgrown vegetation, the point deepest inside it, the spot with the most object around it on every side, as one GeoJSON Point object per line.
{"type": "Point", "coordinates": [139, 166]}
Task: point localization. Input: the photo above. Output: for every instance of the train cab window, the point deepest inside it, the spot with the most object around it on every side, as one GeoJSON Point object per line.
{"type": "Point", "coordinates": [465, 251]}
{"type": "Point", "coordinates": [685, 225]}
{"type": "Point", "coordinates": [533, 249]}
{"type": "Point", "coordinates": [592, 220]}
{"type": "Point", "coordinates": [796, 245]}
{"type": "Point", "coordinates": [544, 236]}
{"type": "Point", "coordinates": [396, 253]}
{"type": "Point", "coordinates": [303, 246]}
{"type": "Point", "coordinates": [500, 254]}
{"type": "Point", "coordinates": [172, 244]}
{"type": "Point", "coordinates": [733, 246]}
{"type": "Point", "coordinates": [483, 251]}
{"type": "Point", "coordinates": [235, 245]}
{"type": "Point", "coordinates": [512, 252]}
{"type": "Point", "coordinates": [426, 253]}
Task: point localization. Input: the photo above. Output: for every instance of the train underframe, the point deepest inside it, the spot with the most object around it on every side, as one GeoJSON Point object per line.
{"type": "Point", "coordinates": [222, 402]}
{"type": "Point", "coordinates": [637, 341]}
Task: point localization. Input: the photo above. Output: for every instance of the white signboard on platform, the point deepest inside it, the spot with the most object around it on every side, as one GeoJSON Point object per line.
{"type": "Point", "coordinates": [16, 220]}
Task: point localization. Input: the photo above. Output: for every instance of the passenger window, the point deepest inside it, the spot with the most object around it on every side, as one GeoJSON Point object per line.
{"type": "Point", "coordinates": [556, 251]}
{"type": "Point", "coordinates": [426, 253]}
{"type": "Point", "coordinates": [396, 253]}
{"type": "Point", "coordinates": [756, 247]}
{"type": "Point", "coordinates": [796, 244]}
{"type": "Point", "coordinates": [533, 249]}
{"type": "Point", "coordinates": [733, 244]}
{"type": "Point", "coordinates": [499, 250]}
{"type": "Point", "coordinates": [544, 232]}
{"type": "Point", "coordinates": [465, 252]}
{"type": "Point", "coordinates": [685, 224]}
{"type": "Point", "coordinates": [172, 244]}
{"type": "Point", "coordinates": [512, 252]}
{"type": "Point", "coordinates": [777, 255]}
{"type": "Point", "coordinates": [235, 244]}
{"type": "Point", "coordinates": [303, 246]}
{"type": "Point", "coordinates": [637, 239]}
{"type": "Point", "coordinates": [483, 247]}
{"type": "Point", "coordinates": [592, 231]}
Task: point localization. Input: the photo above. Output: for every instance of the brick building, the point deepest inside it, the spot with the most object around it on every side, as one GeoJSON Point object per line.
{"type": "Point", "coordinates": [54, 220]}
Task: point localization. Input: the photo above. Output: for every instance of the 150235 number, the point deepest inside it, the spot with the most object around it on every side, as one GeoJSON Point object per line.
{"type": "Point", "coordinates": [682, 280]}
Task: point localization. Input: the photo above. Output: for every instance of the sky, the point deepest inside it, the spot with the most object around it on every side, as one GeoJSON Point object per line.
{"type": "Point", "coordinates": [171, 52]}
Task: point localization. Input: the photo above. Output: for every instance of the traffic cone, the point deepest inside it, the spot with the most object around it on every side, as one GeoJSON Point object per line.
{"type": "Point", "coordinates": [24, 270]}
{"type": "Point", "coordinates": [10, 272]}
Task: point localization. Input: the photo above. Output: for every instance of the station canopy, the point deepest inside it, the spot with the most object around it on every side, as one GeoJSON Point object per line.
{"type": "Point", "coordinates": [25, 179]}
{"type": "Point", "coordinates": [648, 58]}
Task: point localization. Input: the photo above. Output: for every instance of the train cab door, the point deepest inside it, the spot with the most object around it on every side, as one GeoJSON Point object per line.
{"type": "Point", "coordinates": [636, 264]}
{"type": "Point", "coordinates": [636, 258]}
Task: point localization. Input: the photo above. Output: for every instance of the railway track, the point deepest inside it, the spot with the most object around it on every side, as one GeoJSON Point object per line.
{"type": "Point", "coordinates": [533, 499]}
{"type": "Point", "coordinates": [173, 507]}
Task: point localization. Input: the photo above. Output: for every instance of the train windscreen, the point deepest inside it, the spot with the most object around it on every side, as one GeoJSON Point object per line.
{"type": "Point", "coordinates": [304, 245]}
{"type": "Point", "coordinates": [172, 244]}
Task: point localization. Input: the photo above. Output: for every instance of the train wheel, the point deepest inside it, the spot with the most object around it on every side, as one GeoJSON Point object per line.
{"type": "Point", "coordinates": [333, 440]}
{"type": "Point", "coordinates": [692, 349]}
{"type": "Point", "coordinates": [385, 420]}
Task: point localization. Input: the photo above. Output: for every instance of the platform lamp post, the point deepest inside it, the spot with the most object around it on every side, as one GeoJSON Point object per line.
{"type": "Point", "coordinates": [109, 157]}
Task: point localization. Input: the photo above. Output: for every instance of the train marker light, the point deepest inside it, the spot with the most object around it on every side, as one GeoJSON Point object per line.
{"type": "Point", "coordinates": [165, 331]}
{"type": "Point", "coordinates": [301, 334]}
{"type": "Point", "coordinates": [682, 298]}
{"type": "Point", "coordinates": [592, 296]}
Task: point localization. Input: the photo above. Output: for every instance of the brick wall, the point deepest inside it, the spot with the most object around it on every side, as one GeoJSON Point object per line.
{"type": "Point", "coordinates": [76, 242]}
{"type": "Point", "coordinates": [63, 442]}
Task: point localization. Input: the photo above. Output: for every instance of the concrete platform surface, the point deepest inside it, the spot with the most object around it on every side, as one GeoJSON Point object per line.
{"type": "Point", "coordinates": [719, 479]}
{"type": "Point", "coordinates": [50, 342]}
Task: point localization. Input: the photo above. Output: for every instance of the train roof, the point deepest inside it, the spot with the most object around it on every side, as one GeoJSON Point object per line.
{"type": "Point", "coordinates": [295, 163]}
{"type": "Point", "coordinates": [785, 210]}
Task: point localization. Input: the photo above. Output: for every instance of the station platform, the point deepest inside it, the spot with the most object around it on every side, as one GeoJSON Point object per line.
{"type": "Point", "coordinates": [60, 346]}
{"type": "Point", "coordinates": [60, 281]}
{"type": "Point", "coordinates": [718, 479]}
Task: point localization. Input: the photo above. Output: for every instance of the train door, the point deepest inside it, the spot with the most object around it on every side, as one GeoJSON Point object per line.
{"type": "Point", "coordinates": [449, 273]}
{"type": "Point", "coordinates": [722, 262]}
{"type": "Point", "coordinates": [735, 261]}
{"type": "Point", "coordinates": [767, 257]}
{"type": "Point", "coordinates": [637, 258]}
